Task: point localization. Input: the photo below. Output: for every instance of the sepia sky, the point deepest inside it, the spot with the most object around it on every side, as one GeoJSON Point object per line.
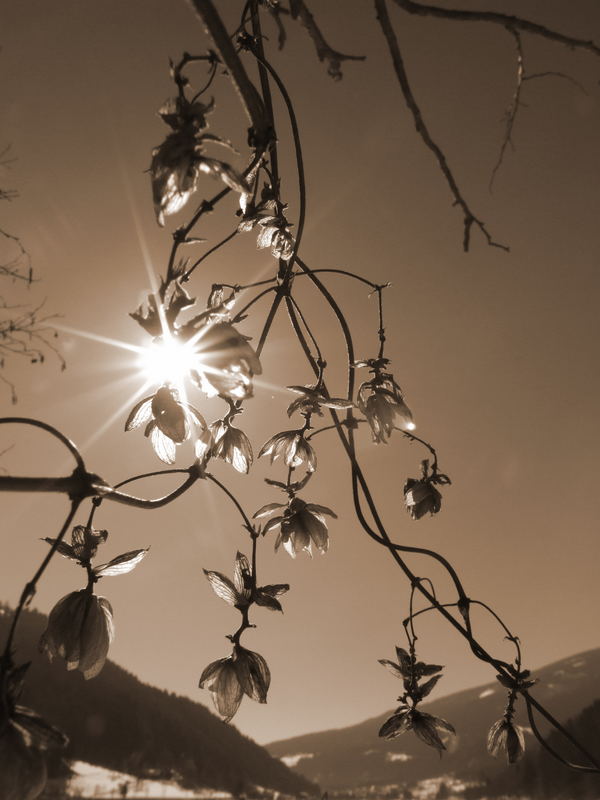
{"type": "Point", "coordinates": [497, 352]}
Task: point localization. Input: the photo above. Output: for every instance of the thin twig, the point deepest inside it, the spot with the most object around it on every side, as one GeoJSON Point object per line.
{"type": "Point", "coordinates": [333, 58]}
{"type": "Point", "coordinates": [30, 587]}
{"type": "Point", "coordinates": [186, 275]}
{"type": "Point", "coordinates": [248, 305]}
{"type": "Point", "coordinates": [506, 20]}
{"type": "Point", "coordinates": [250, 98]}
{"type": "Point", "coordinates": [469, 218]}
{"type": "Point", "coordinates": [531, 704]}
{"type": "Point", "coordinates": [513, 109]}
{"type": "Point", "coordinates": [247, 524]}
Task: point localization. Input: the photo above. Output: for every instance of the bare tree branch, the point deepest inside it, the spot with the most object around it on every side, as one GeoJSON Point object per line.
{"type": "Point", "coordinates": [23, 330]}
{"type": "Point", "coordinates": [506, 20]}
{"type": "Point", "coordinates": [470, 218]}
{"type": "Point", "coordinates": [512, 110]}
{"type": "Point", "coordinates": [554, 74]}
{"type": "Point", "coordinates": [19, 267]}
{"type": "Point", "coordinates": [27, 335]}
{"type": "Point", "coordinates": [299, 10]}
{"type": "Point", "coordinates": [251, 100]}
{"type": "Point", "coordinates": [516, 101]}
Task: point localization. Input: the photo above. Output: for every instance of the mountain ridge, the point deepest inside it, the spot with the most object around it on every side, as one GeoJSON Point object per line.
{"type": "Point", "coordinates": [342, 758]}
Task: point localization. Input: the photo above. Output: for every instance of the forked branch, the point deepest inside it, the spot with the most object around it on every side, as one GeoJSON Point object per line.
{"type": "Point", "coordinates": [469, 217]}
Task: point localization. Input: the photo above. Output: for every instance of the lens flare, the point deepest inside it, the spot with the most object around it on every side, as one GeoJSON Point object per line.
{"type": "Point", "coordinates": [168, 360]}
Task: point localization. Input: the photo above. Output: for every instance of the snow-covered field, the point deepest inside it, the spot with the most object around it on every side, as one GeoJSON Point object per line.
{"type": "Point", "coordinates": [96, 782]}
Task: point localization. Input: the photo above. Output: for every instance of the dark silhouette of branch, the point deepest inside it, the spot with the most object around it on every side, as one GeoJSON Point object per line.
{"type": "Point", "coordinates": [81, 483]}
{"type": "Point", "coordinates": [172, 414]}
{"type": "Point", "coordinates": [554, 74]}
{"type": "Point", "coordinates": [25, 333]}
{"type": "Point", "coordinates": [23, 330]}
{"type": "Point", "coordinates": [506, 20]}
{"type": "Point", "coordinates": [250, 98]}
{"type": "Point", "coordinates": [333, 58]}
{"type": "Point", "coordinates": [512, 110]}
{"type": "Point", "coordinates": [469, 218]}
{"type": "Point", "coordinates": [19, 267]}
{"type": "Point", "coordinates": [531, 703]}
{"type": "Point", "coordinates": [516, 101]}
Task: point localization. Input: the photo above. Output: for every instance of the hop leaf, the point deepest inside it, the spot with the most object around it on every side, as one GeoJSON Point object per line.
{"type": "Point", "coordinates": [264, 511]}
{"type": "Point", "coordinates": [311, 401]}
{"type": "Point", "coordinates": [267, 596]}
{"type": "Point", "coordinates": [397, 724]}
{"type": "Point", "coordinates": [238, 592]}
{"type": "Point", "coordinates": [223, 588]}
{"type": "Point", "coordinates": [425, 689]}
{"type": "Point", "coordinates": [121, 564]}
{"type": "Point", "coordinates": [424, 670]}
{"type": "Point", "coordinates": [427, 728]}
{"type": "Point", "coordinates": [62, 548]}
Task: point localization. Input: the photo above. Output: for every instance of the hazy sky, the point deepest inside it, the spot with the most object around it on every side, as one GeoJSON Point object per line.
{"type": "Point", "coordinates": [497, 352]}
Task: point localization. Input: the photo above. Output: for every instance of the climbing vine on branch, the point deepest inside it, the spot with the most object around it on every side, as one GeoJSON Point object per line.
{"type": "Point", "coordinates": [204, 354]}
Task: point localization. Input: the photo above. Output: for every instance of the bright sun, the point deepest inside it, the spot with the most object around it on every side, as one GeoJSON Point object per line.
{"type": "Point", "coordinates": [168, 360]}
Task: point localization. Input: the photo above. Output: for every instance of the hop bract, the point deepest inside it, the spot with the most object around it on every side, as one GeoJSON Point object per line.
{"type": "Point", "coordinates": [312, 401]}
{"type": "Point", "coordinates": [223, 440]}
{"type": "Point", "coordinates": [302, 525]}
{"type": "Point", "coordinates": [167, 421]}
{"type": "Point", "coordinates": [421, 497]}
{"type": "Point", "coordinates": [174, 170]}
{"type": "Point", "coordinates": [293, 449]}
{"type": "Point", "coordinates": [274, 229]}
{"type": "Point", "coordinates": [229, 679]}
{"type": "Point", "coordinates": [80, 630]}
{"type": "Point", "coordinates": [227, 362]}
{"type": "Point", "coordinates": [384, 407]}
{"type": "Point", "coordinates": [382, 402]}
{"type": "Point", "coordinates": [504, 737]}
{"type": "Point", "coordinates": [178, 161]}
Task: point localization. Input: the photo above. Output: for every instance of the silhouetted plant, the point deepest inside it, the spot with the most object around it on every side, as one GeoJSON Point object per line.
{"type": "Point", "coordinates": [25, 328]}
{"type": "Point", "coordinates": [204, 350]}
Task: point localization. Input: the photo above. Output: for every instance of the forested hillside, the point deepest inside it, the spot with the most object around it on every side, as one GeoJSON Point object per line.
{"type": "Point", "coordinates": [116, 721]}
{"type": "Point", "coordinates": [541, 777]}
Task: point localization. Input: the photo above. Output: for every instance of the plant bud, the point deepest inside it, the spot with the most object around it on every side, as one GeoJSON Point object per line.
{"type": "Point", "coordinates": [506, 737]}
{"type": "Point", "coordinates": [80, 630]}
